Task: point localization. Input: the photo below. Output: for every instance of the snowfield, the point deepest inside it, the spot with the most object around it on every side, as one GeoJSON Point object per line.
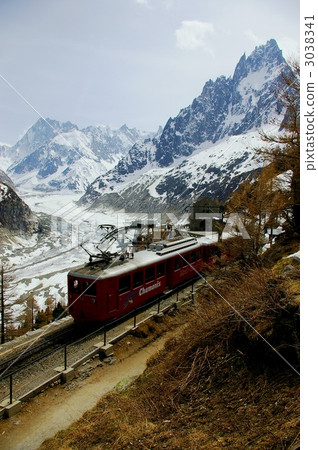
{"type": "Point", "coordinates": [39, 264]}
{"type": "Point", "coordinates": [195, 168]}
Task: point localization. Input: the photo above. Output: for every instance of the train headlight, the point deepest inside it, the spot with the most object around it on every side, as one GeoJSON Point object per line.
{"type": "Point", "coordinates": [93, 300]}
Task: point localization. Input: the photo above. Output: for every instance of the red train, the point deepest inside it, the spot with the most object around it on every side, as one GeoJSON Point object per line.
{"type": "Point", "coordinates": [100, 292]}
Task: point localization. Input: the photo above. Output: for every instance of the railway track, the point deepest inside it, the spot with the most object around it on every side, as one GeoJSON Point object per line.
{"type": "Point", "coordinates": [45, 345]}
{"type": "Point", "coordinates": [32, 366]}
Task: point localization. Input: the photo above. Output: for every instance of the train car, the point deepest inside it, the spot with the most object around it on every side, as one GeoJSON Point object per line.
{"type": "Point", "coordinates": [98, 292]}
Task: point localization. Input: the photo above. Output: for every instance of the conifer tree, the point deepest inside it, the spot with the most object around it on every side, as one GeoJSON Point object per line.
{"type": "Point", "coordinates": [284, 151]}
{"type": "Point", "coordinates": [59, 312]}
{"type": "Point", "coordinates": [263, 200]}
{"type": "Point", "coordinates": [260, 203]}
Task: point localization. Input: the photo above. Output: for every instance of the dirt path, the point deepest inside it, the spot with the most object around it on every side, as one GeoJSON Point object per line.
{"type": "Point", "coordinates": [58, 407]}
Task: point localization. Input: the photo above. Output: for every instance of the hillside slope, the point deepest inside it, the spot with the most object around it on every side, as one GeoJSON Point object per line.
{"type": "Point", "coordinates": [15, 214]}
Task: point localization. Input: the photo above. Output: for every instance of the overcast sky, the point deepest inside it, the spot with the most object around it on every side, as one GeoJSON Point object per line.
{"type": "Point", "coordinates": [125, 61]}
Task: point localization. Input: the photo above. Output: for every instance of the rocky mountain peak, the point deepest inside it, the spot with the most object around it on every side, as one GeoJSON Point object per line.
{"type": "Point", "coordinates": [269, 55]}
{"type": "Point", "coordinates": [38, 135]}
{"type": "Point", "coordinates": [227, 107]}
{"type": "Point", "coordinates": [55, 155]}
{"type": "Point", "coordinates": [241, 70]}
{"type": "Point", "coordinates": [124, 128]}
{"type": "Point", "coordinates": [266, 57]}
{"type": "Point", "coordinates": [208, 118]}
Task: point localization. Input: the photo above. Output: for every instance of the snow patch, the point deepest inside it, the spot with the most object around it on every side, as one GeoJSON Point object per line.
{"type": "Point", "coordinates": [4, 190]}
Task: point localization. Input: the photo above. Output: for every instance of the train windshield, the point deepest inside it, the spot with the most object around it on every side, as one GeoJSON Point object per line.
{"type": "Point", "coordinates": [83, 287]}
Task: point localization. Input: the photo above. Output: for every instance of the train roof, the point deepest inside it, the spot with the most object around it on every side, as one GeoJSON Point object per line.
{"type": "Point", "coordinates": [159, 252]}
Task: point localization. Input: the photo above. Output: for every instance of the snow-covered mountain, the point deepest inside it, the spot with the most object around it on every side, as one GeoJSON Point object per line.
{"type": "Point", "coordinates": [207, 148]}
{"type": "Point", "coordinates": [5, 156]}
{"type": "Point", "coordinates": [54, 156]}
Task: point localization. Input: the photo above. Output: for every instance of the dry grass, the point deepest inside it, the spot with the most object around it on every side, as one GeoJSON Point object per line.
{"type": "Point", "coordinates": [219, 384]}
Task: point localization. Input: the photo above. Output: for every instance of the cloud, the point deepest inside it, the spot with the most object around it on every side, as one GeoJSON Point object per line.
{"type": "Point", "coordinates": [289, 46]}
{"type": "Point", "coordinates": [194, 34]}
{"type": "Point", "coordinates": [167, 4]}
{"type": "Point", "coordinates": [252, 37]}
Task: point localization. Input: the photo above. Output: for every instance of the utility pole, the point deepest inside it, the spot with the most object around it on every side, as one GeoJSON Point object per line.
{"type": "Point", "coordinates": [2, 306]}
{"type": "Point", "coordinates": [32, 318]}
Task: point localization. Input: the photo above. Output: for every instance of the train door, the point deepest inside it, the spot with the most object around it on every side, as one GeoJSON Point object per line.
{"type": "Point", "coordinates": [108, 299]}
{"type": "Point", "coordinates": [170, 272]}
{"type": "Point", "coordinates": [111, 302]}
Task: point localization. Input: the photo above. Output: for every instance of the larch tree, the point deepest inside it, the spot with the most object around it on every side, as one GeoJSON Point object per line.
{"type": "Point", "coordinates": [284, 149]}
{"type": "Point", "coordinates": [260, 203]}
{"type": "Point", "coordinates": [273, 194]}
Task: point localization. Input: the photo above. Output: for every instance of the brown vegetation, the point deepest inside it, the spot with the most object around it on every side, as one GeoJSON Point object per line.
{"type": "Point", "coordinates": [285, 156]}
{"type": "Point", "coordinates": [219, 384]}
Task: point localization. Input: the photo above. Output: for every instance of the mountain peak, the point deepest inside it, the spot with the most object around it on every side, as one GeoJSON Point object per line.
{"type": "Point", "coordinates": [265, 55]}
{"type": "Point", "coordinates": [52, 125]}
{"type": "Point", "coordinates": [227, 107]}
{"type": "Point", "coordinates": [240, 70]}
{"type": "Point", "coordinates": [55, 155]}
{"type": "Point", "coordinates": [38, 135]}
{"type": "Point", "coordinates": [271, 43]}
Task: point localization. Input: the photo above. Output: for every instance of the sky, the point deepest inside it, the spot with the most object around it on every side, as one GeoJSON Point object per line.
{"type": "Point", "coordinates": [134, 62]}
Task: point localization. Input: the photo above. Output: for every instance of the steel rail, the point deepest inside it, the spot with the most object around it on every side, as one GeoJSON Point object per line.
{"type": "Point", "coordinates": [106, 327]}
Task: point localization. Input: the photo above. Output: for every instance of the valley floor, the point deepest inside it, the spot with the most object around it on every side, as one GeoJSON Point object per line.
{"type": "Point", "coordinates": [39, 263]}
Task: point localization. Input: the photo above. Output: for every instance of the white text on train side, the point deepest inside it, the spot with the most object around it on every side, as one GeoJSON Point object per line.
{"type": "Point", "coordinates": [149, 288]}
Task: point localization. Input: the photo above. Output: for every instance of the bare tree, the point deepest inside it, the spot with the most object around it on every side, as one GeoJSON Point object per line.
{"type": "Point", "coordinates": [6, 296]}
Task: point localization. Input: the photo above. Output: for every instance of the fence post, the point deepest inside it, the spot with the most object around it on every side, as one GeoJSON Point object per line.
{"type": "Point", "coordinates": [65, 357]}
{"type": "Point", "coordinates": [159, 306]}
{"type": "Point", "coordinates": [192, 293]}
{"type": "Point", "coordinates": [135, 319]}
{"type": "Point", "coordinates": [104, 335]}
{"type": "Point", "coordinates": [11, 390]}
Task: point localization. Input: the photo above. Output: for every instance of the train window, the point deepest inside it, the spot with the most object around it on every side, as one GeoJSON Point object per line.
{"type": "Point", "coordinates": [124, 284]}
{"type": "Point", "coordinates": [160, 270]}
{"type": "Point", "coordinates": [192, 256]}
{"type": "Point", "coordinates": [150, 274]}
{"type": "Point", "coordinates": [186, 259]}
{"type": "Point", "coordinates": [75, 286]}
{"type": "Point", "coordinates": [89, 288]}
{"type": "Point", "coordinates": [177, 264]}
{"type": "Point", "coordinates": [138, 278]}
{"type": "Point", "coordinates": [199, 253]}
